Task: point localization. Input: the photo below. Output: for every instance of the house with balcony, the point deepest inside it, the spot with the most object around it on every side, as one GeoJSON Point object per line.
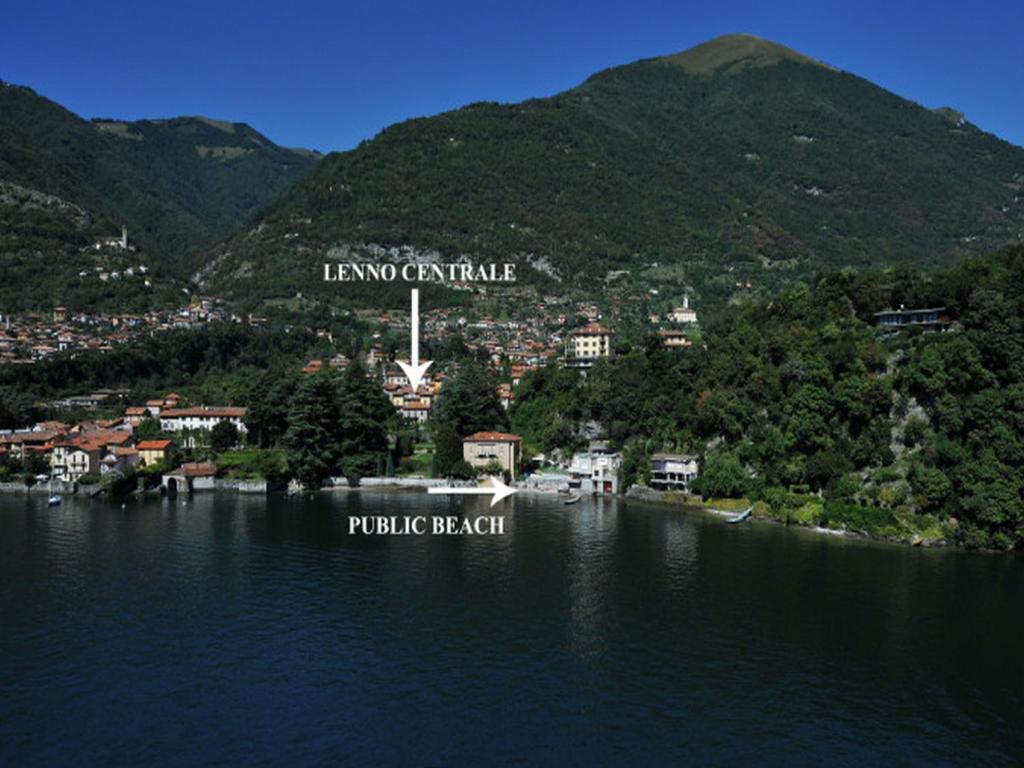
{"type": "Point", "coordinates": [586, 345]}
{"type": "Point", "coordinates": [596, 470]}
{"type": "Point", "coordinates": [929, 319]}
{"type": "Point", "coordinates": [673, 472]}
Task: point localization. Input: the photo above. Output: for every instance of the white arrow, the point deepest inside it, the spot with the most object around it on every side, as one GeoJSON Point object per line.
{"type": "Point", "coordinates": [414, 370]}
{"type": "Point", "coordinates": [498, 488]}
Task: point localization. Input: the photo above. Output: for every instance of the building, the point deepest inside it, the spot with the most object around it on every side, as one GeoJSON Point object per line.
{"type": "Point", "coordinates": [152, 451]}
{"type": "Point", "coordinates": [673, 472]}
{"type": "Point", "coordinates": [484, 448]}
{"type": "Point", "coordinates": [596, 471]}
{"type": "Point", "coordinates": [587, 344]}
{"type": "Point", "coordinates": [194, 476]}
{"type": "Point", "coordinates": [118, 460]}
{"type": "Point", "coordinates": [415, 411]}
{"type": "Point", "coordinates": [204, 417]}
{"type": "Point", "coordinates": [683, 315]}
{"type": "Point", "coordinates": [135, 414]}
{"type": "Point", "coordinates": [71, 459]}
{"type": "Point", "coordinates": [22, 442]}
{"type": "Point", "coordinates": [931, 319]}
{"type": "Point", "coordinates": [674, 340]}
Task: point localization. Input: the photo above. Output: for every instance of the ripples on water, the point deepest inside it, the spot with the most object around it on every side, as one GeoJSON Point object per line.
{"type": "Point", "coordinates": [233, 630]}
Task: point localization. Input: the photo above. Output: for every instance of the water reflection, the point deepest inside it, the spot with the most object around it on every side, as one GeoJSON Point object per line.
{"type": "Point", "coordinates": [585, 633]}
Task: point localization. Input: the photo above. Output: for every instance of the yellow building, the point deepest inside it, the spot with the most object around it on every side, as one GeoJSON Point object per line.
{"type": "Point", "coordinates": [587, 344]}
{"type": "Point", "coordinates": [152, 451]}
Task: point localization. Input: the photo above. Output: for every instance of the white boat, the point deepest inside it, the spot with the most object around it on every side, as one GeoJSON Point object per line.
{"type": "Point", "coordinates": [741, 516]}
{"type": "Point", "coordinates": [54, 499]}
{"type": "Point", "coordinates": [573, 499]}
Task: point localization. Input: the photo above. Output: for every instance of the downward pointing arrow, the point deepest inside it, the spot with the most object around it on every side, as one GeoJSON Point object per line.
{"type": "Point", "coordinates": [498, 488]}
{"type": "Point", "coordinates": [413, 369]}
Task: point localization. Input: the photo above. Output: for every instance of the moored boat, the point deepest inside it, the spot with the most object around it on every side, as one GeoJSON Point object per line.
{"type": "Point", "coordinates": [741, 516]}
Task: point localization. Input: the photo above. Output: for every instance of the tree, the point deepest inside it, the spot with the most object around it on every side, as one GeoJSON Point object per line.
{"type": "Point", "coordinates": [148, 429]}
{"type": "Point", "coordinates": [267, 416]}
{"type": "Point", "coordinates": [722, 475]}
{"type": "Point", "coordinates": [364, 413]}
{"type": "Point", "coordinates": [224, 436]}
{"type": "Point", "coordinates": [313, 430]}
{"type": "Point", "coordinates": [447, 449]}
{"type": "Point", "coordinates": [469, 401]}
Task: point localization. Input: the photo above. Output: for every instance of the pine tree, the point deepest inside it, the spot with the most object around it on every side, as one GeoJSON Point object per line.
{"type": "Point", "coordinates": [365, 414]}
{"type": "Point", "coordinates": [312, 438]}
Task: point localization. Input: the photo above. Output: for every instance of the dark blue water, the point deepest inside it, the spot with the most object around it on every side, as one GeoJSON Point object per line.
{"type": "Point", "coordinates": [246, 631]}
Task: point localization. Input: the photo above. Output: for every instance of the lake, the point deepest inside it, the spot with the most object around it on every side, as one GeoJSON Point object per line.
{"type": "Point", "coordinates": [229, 630]}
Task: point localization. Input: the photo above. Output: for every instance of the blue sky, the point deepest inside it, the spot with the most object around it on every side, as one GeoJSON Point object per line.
{"type": "Point", "coordinates": [327, 75]}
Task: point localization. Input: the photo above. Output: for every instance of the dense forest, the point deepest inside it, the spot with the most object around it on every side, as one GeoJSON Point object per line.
{"type": "Point", "coordinates": [802, 395]}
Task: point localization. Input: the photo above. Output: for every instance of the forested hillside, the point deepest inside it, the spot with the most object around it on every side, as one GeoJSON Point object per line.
{"type": "Point", "coordinates": [737, 155]}
{"type": "Point", "coordinates": [178, 185]}
{"type": "Point", "coordinates": [803, 393]}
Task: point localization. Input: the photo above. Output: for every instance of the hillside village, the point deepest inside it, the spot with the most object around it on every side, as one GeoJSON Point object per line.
{"type": "Point", "coordinates": [158, 436]}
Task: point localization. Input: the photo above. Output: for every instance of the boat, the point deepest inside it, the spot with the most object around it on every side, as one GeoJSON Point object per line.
{"type": "Point", "coordinates": [741, 516]}
{"type": "Point", "coordinates": [53, 499]}
{"type": "Point", "coordinates": [573, 499]}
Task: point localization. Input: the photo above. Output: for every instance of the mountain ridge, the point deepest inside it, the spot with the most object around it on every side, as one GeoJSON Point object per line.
{"type": "Point", "coordinates": [179, 184]}
{"type": "Point", "coordinates": [761, 159]}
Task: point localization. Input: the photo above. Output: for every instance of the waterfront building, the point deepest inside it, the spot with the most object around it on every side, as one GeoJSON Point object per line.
{"type": "Point", "coordinates": [596, 470]}
{"type": "Point", "coordinates": [481, 449]}
{"type": "Point", "coordinates": [673, 471]}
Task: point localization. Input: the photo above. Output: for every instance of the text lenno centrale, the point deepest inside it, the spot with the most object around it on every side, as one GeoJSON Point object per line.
{"type": "Point", "coordinates": [356, 272]}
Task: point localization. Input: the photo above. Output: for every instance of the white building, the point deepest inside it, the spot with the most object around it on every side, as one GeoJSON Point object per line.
{"type": "Point", "coordinates": [596, 471]}
{"type": "Point", "coordinates": [683, 315]}
{"type": "Point", "coordinates": [205, 417]}
{"type": "Point", "coordinates": [673, 472]}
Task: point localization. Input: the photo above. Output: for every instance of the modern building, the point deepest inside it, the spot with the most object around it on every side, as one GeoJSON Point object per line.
{"type": "Point", "coordinates": [596, 470]}
{"type": "Point", "coordinates": [930, 319]}
{"type": "Point", "coordinates": [673, 471]}
{"type": "Point", "coordinates": [484, 448]}
{"type": "Point", "coordinates": [587, 344]}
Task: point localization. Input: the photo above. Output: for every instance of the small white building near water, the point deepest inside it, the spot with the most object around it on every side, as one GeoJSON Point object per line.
{"type": "Point", "coordinates": [596, 470]}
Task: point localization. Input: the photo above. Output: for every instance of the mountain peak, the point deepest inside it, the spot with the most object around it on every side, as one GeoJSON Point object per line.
{"type": "Point", "coordinates": [735, 52]}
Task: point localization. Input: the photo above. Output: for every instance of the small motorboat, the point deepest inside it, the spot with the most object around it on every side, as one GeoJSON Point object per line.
{"type": "Point", "coordinates": [741, 516]}
{"type": "Point", "coordinates": [53, 500]}
{"type": "Point", "coordinates": [573, 499]}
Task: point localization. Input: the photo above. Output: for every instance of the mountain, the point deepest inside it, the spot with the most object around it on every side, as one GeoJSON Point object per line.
{"type": "Point", "coordinates": [179, 186]}
{"type": "Point", "coordinates": [739, 156]}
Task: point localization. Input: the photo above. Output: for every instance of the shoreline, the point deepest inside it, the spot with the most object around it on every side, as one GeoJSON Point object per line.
{"type": "Point", "coordinates": [718, 507]}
